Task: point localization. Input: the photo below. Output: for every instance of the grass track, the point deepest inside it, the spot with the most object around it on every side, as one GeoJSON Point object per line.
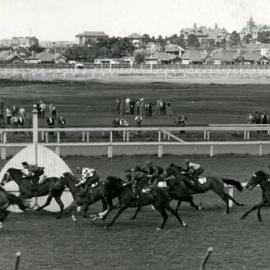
{"type": "Point", "coordinates": [47, 243]}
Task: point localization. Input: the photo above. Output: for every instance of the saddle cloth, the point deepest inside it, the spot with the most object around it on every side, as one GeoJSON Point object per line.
{"type": "Point", "coordinates": [202, 180]}
{"type": "Point", "coordinates": [94, 185]}
{"type": "Point", "coordinates": [162, 184]}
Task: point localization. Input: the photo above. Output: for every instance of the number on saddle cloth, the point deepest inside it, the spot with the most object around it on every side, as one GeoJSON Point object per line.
{"type": "Point", "coordinates": [202, 180]}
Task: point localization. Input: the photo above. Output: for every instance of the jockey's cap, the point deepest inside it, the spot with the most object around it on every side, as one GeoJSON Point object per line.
{"type": "Point", "coordinates": [24, 163]}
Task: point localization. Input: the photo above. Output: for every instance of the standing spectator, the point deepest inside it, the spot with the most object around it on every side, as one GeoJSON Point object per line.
{"type": "Point", "coordinates": [122, 106]}
{"type": "Point", "coordinates": [42, 109]}
{"type": "Point", "coordinates": [14, 121]}
{"type": "Point", "coordinates": [132, 106]}
{"type": "Point", "coordinates": [62, 123]}
{"type": "Point", "coordinates": [8, 115]}
{"type": "Point", "coordinates": [21, 112]}
{"type": "Point", "coordinates": [137, 107]}
{"type": "Point", "coordinates": [50, 108]}
{"type": "Point", "coordinates": [50, 123]}
{"type": "Point", "coordinates": [54, 111]}
{"type": "Point", "coordinates": [257, 118]}
{"type": "Point", "coordinates": [20, 121]}
{"type": "Point", "coordinates": [138, 120]}
{"type": "Point", "coordinates": [38, 109]}
{"type": "Point", "coordinates": [2, 121]}
{"type": "Point", "coordinates": [169, 108]}
{"type": "Point", "coordinates": [250, 118]}
{"type": "Point", "coordinates": [116, 122]}
{"type": "Point", "coordinates": [14, 110]}
{"type": "Point", "coordinates": [158, 107]}
{"type": "Point", "coordinates": [264, 118]}
{"type": "Point", "coordinates": [127, 106]}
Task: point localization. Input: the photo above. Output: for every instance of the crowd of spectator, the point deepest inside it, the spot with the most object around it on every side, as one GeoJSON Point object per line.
{"type": "Point", "coordinates": [15, 116]}
{"type": "Point", "coordinates": [138, 106]}
{"type": "Point", "coordinates": [258, 118]}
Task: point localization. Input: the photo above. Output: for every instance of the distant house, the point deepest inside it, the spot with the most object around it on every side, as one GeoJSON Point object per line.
{"type": "Point", "coordinates": [159, 58]}
{"type": "Point", "coordinates": [194, 57]}
{"type": "Point", "coordinates": [253, 58]}
{"type": "Point", "coordinates": [4, 54]}
{"type": "Point", "coordinates": [224, 57]}
{"type": "Point", "coordinates": [15, 59]}
{"type": "Point", "coordinates": [46, 57]}
{"type": "Point", "coordinates": [135, 39]}
{"type": "Point", "coordinates": [174, 49]}
{"type": "Point", "coordinates": [90, 37]}
{"type": "Point", "coordinates": [153, 47]}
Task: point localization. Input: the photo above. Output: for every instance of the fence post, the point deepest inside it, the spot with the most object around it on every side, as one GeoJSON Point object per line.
{"type": "Point", "coordinates": [35, 133]}
{"type": "Point", "coordinates": [110, 145]}
{"type": "Point", "coordinates": [83, 136]}
{"type": "Point", "coordinates": [231, 194]}
{"type": "Point", "coordinates": [57, 148]}
{"type": "Point", "coordinates": [211, 150]}
{"type": "Point", "coordinates": [260, 149]}
{"type": "Point", "coordinates": [160, 150]}
{"type": "Point", "coordinates": [3, 149]}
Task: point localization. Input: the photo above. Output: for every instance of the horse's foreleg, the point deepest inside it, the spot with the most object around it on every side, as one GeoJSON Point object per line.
{"type": "Point", "coordinates": [120, 211]}
{"type": "Point", "coordinates": [164, 216]}
{"type": "Point", "coordinates": [61, 205]}
{"type": "Point", "coordinates": [136, 213]}
{"type": "Point", "coordinates": [256, 206]}
{"type": "Point", "coordinates": [178, 205]}
{"type": "Point", "coordinates": [222, 195]}
{"type": "Point", "coordinates": [259, 213]}
{"type": "Point", "coordinates": [173, 212]}
{"type": "Point", "coordinates": [48, 201]}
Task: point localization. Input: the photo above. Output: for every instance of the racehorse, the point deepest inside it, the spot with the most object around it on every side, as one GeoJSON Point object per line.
{"type": "Point", "coordinates": [262, 179]}
{"type": "Point", "coordinates": [211, 183]}
{"type": "Point", "coordinates": [7, 199]}
{"type": "Point", "coordinates": [83, 198]}
{"type": "Point", "coordinates": [52, 186]}
{"type": "Point", "coordinates": [158, 197]}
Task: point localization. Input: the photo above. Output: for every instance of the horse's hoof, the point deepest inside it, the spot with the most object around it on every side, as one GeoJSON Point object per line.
{"type": "Point", "coordinates": [1, 225]}
{"type": "Point", "coordinates": [242, 217]}
{"type": "Point", "coordinates": [86, 216]}
{"type": "Point", "coordinates": [58, 216]}
{"type": "Point", "coordinates": [158, 229]}
{"type": "Point", "coordinates": [200, 208]}
{"type": "Point", "coordinates": [106, 228]}
{"type": "Point", "coordinates": [184, 224]}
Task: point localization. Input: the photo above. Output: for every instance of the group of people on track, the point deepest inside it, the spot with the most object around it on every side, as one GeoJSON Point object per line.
{"type": "Point", "coordinates": [88, 178]}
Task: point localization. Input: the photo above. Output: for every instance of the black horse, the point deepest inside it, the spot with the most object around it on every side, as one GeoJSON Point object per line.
{"type": "Point", "coordinates": [262, 179]}
{"type": "Point", "coordinates": [158, 197]}
{"type": "Point", "coordinates": [211, 183]}
{"type": "Point", "coordinates": [52, 186]}
{"type": "Point", "coordinates": [7, 199]}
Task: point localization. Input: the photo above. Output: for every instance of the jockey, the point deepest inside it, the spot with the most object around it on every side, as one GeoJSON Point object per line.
{"type": "Point", "coordinates": [154, 172]}
{"type": "Point", "coordinates": [194, 170]}
{"type": "Point", "coordinates": [88, 178]}
{"type": "Point", "coordinates": [32, 172]}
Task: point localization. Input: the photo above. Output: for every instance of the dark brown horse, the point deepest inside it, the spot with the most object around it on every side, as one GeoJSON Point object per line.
{"type": "Point", "coordinates": [7, 199]}
{"type": "Point", "coordinates": [211, 183]}
{"type": "Point", "coordinates": [262, 179]}
{"type": "Point", "coordinates": [52, 186]}
{"type": "Point", "coordinates": [158, 197]}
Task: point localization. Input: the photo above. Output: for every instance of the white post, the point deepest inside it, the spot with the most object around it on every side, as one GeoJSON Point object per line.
{"type": "Point", "coordinates": [231, 194]}
{"type": "Point", "coordinates": [110, 146]}
{"type": "Point", "coordinates": [57, 148]}
{"type": "Point", "coordinates": [3, 149]}
{"type": "Point", "coordinates": [160, 152]}
{"type": "Point", "coordinates": [211, 150]}
{"type": "Point", "coordinates": [35, 132]}
{"type": "Point", "coordinates": [260, 149]}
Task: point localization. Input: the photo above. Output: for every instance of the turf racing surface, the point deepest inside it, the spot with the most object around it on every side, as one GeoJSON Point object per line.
{"type": "Point", "coordinates": [47, 243]}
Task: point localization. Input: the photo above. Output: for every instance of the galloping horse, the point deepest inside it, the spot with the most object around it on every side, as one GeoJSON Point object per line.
{"type": "Point", "coordinates": [158, 197]}
{"type": "Point", "coordinates": [262, 179]}
{"type": "Point", "coordinates": [212, 183]}
{"type": "Point", "coordinates": [51, 187]}
{"type": "Point", "coordinates": [7, 199]}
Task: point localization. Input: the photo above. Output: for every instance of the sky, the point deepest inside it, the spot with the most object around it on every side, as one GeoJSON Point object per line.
{"type": "Point", "coordinates": [62, 19]}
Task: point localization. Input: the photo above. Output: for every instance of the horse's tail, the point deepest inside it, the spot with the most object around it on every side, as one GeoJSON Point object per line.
{"type": "Point", "coordinates": [234, 183]}
{"type": "Point", "coordinates": [22, 203]}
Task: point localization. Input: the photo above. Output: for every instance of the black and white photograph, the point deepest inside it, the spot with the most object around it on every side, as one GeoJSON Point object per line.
{"type": "Point", "coordinates": [134, 134]}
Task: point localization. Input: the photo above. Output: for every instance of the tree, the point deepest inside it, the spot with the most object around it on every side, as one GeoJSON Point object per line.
{"type": "Point", "coordinates": [193, 41]}
{"type": "Point", "coordinates": [247, 38]}
{"type": "Point", "coordinates": [139, 56]}
{"type": "Point", "coordinates": [264, 37]}
{"type": "Point", "coordinates": [234, 39]}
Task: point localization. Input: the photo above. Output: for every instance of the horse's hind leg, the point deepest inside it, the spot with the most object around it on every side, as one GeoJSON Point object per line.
{"type": "Point", "coordinates": [222, 195]}
{"type": "Point", "coordinates": [61, 205]}
{"type": "Point", "coordinates": [232, 199]}
{"type": "Point", "coordinates": [120, 211]}
{"type": "Point", "coordinates": [259, 213]}
{"type": "Point", "coordinates": [178, 205]}
{"type": "Point", "coordinates": [173, 212]}
{"type": "Point", "coordinates": [136, 213]}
